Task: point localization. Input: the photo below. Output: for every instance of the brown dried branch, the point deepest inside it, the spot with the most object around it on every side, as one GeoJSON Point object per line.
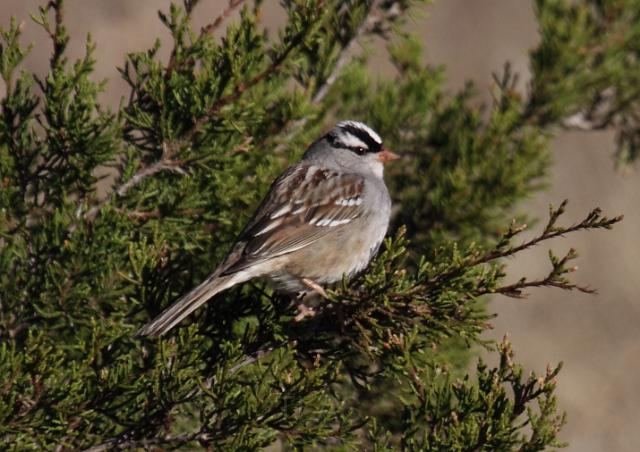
{"type": "Point", "coordinates": [594, 220]}
{"type": "Point", "coordinates": [57, 34]}
{"type": "Point", "coordinates": [166, 163]}
{"type": "Point", "coordinates": [555, 278]}
{"type": "Point", "coordinates": [213, 26]}
{"type": "Point", "coordinates": [189, 5]}
{"type": "Point", "coordinates": [516, 290]}
{"type": "Point", "coordinates": [372, 23]}
{"type": "Point", "coordinates": [532, 388]}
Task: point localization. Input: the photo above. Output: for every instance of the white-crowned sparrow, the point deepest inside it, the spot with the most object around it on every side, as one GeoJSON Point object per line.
{"type": "Point", "coordinates": [323, 218]}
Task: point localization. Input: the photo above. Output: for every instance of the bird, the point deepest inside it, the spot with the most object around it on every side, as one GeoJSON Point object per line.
{"type": "Point", "coordinates": [323, 218]}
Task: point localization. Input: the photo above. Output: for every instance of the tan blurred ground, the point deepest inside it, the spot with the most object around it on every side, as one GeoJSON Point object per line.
{"type": "Point", "coordinates": [595, 336]}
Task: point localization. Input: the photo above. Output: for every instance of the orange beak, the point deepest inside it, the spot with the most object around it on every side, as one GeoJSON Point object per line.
{"type": "Point", "coordinates": [386, 156]}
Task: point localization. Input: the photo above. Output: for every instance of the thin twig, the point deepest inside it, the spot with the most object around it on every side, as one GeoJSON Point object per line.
{"type": "Point", "coordinates": [206, 30]}
{"type": "Point", "coordinates": [249, 359]}
{"type": "Point", "coordinates": [369, 24]}
{"type": "Point", "coordinates": [516, 290]}
{"type": "Point", "coordinates": [123, 443]}
{"type": "Point", "coordinates": [592, 221]}
{"type": "Point", "coordinates": [551, 232]}
{"type": "Point", "coordinates": [239, 89]}
{"type": "Point", "coordinates": [57, 33]}
{"type": "Point", "coordinates": [164, 164]}
{"type": "Point", "coordinates": [213, 26]}
{"type": "Point", "coordinates": [555, 279]}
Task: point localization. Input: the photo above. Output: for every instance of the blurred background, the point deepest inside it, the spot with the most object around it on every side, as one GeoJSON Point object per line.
{"type": "Point", "coordinates": [596, 336]}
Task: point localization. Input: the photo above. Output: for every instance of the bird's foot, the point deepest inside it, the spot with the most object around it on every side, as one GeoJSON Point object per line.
{"type": "Point", "coordinates": [304, 311]}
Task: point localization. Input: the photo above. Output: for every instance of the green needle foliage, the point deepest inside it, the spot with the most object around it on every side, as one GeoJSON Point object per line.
{"type": "Point", "coordinates": [385, 363]}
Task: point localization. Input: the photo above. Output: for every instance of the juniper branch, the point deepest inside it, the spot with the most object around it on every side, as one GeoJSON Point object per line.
{"type": "Point", "coordinates": [166, 163]}
{"type": "Point", "coordinates": [189, 6]}
{"type": "Point", "coordinates": [555, 278]}
{"type": "Point", "coordinates": [532, 388]}
{"type": "Point", "coordinates": [371, 23]}
{"type": "Point", "coordinates": [415, 305]}
{"type": "Point", "coordinates": [57, 33]}
{"type": "Point", "coordinates": [127, 439]}
{"type": "Point", "coordinates": [594, 220]}
{"type": "Point", "coordinates": [242, 87]}
{"type": "Point", "coordinates": [226, 12]}
{"type": "Point", "coordinates": [124, 442]}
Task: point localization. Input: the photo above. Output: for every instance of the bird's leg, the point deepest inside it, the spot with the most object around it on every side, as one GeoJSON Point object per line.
{"type": "Point", "coordinates": [304, 310]}
{"type": "Point", "coordinates": [314, 286]}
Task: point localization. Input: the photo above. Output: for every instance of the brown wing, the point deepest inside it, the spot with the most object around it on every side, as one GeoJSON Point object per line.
{"type": "Point", "coordinates": [303, 205]}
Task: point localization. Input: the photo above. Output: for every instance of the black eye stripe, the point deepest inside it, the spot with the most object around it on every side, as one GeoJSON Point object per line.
{"type": "Point", "coordinates": [362, 135]}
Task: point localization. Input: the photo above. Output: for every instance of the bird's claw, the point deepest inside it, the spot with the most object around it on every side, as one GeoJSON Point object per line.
{"type": "Point", "coordinates": [304, 311]}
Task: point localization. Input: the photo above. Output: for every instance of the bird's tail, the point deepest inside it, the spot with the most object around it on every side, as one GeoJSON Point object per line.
{"type": "Point", "coordinates": [195, 298]}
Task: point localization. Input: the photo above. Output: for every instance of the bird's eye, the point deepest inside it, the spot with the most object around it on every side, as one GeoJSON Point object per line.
{"type": "Point", "coordinates": [360, 150]}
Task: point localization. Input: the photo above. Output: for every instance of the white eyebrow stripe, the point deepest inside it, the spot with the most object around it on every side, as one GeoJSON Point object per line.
{"type": "Point", "coordinates": [350, 140]}
{"type": "Point", "coordinates": [363, 126]}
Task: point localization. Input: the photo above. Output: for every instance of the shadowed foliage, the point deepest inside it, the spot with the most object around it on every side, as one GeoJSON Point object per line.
{"type": "Point", "coordinates": [387, 362]}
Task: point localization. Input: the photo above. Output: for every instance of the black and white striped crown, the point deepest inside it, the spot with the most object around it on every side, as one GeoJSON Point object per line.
{"type": "Point", "coordinates": [355, 136]}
